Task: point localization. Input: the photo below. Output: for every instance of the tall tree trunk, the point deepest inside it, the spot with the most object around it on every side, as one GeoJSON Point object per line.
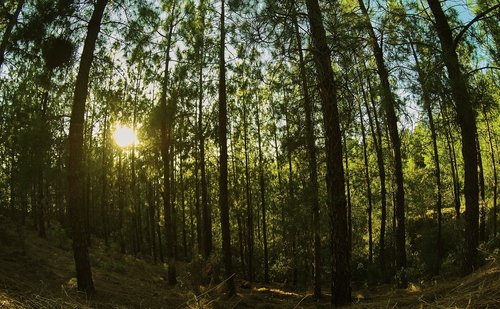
{"type": "Point", "coordinates": [207, 218]}
{"type": "Point", "coordinates": [197, 207]}
{"type": "Point", "coordinates": [377, 139]}
{"type": "Point", "coordinates": [392, 124]}
{"type": "Point", "coordinates": [159, 232]}
{"type": "Point", "coordinates": [466, 119]}
{"type": "Point", "coordinates": [250, 229]}
{"type": "Point", "coordinates": [166, 139]}
{"type": "Point", "coordinates": [437, 170]}
{"type": "Point", "coordinates": [369, 210]}
{"type": "Point", "coordinates": [495, 176]}
{"type": "Point", "coordinates": [75, 172]}
{"type": "Point", "coordinates": [42, 152]}
{"type": "Point", "coordinates": [280, 179]}
{"type": "Point", "coordinates": [173, 190]}
{"type": "Point", "coordinates": [152, 220]}
{"type": "Point", "coordinates": [133, 184]}
{"type": "Point", "coordinates": [241, 239]}
{"type": "Point", "coordinates": [312, 160]}
{"type": "Point", "coordinates": [453, 162]}
{"type": "Point", "coordinates": [482, 194]}
{"type": "Point", "coordinates": [104, 177]}
{"type": "Point", "coordinates": [87, 150]}
{"type": "Point", "coordinates": [182, 190]}
{"type": "Point", "coordinates": [262, 183]}
{"type": "Point", "coordinates": [348, 189]}
{"type": "Point", "coordinates": [291, 196]}
{"type": "Point", "coordinates": [223, 189]}
{"type": "Point", "coordinates": [121, 202]}
{"type": "Point", "coordinates": [437, 174]}
{"type": "Point", "coordinates": [341, 274]}
{"type": "Point", "coordinates": [8, 30]}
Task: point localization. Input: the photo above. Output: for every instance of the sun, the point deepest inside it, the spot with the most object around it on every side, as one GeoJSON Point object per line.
{"type": "Point", "coordinates": [125, 136]}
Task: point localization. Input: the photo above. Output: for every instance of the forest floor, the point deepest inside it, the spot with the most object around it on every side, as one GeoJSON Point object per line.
{"type": "Point", "coordinates": [39, 273]}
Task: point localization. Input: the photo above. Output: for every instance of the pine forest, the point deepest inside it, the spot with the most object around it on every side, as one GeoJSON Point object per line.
{"type": "Point", "coordinates": [249, 153]}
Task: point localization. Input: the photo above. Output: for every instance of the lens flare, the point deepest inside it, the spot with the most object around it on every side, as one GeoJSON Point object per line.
{"type": "Point", "coordinates": [125, 136]}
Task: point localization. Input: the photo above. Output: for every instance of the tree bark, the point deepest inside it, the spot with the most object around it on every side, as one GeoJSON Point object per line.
{"type": "Point", "coordinates": [392, 124]}
{"type": "Point", "coordinates": [349, 202]}
{"type": "Point", "coordinates": [75, 172]}
{"type": "Point", "coordinates": [495, 176]}
{"type": "Point", "coordinates": [437, 170]}
{"type": "Point", "coordinates": [262, 184]}
{"type": "Point", "coordinates": [466, 119]}
{"type": "Point", "coordinates": [248, 194]}
{"type": "Point", "coordinates": [104, 176]}
{"type": "Point", "coordinates": [166, 140]}
{"type": "Point", "coordinates": [312, 160]}
{"type": "Point", "coordinates": [207, 218]}
{"type": "Point", "coordinates": [341, 274]}
{"type": "Point", "coordinates": [377, 139]}
{"type": "Point", "coordinates": [369, 210]}
{"type": "Point", "coordinates": [453, 163]}
{"type": "Point", "coordinates": [482, 193]}
{"type": "Point", "coordinates": [223, 188]}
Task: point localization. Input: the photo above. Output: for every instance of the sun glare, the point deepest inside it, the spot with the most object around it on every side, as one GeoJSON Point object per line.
{"type": "Point", "coordinates": [125, 136]}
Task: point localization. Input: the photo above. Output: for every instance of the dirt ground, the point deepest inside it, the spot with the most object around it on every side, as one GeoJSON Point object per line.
{"type": "Point", "coordinates": [39, 273]}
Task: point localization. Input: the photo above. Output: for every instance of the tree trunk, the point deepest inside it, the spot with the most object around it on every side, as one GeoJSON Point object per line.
{"type": "Point", "coordinates": [250, 232]}
{"type": "Point", "coordinates": [241, 238]}
{"type": "Point", "coordinates": [467, 122]}
{"type": "Point", "coordinates": [207, 218]}
{"type": "Point", "coordinates": [262, 183]}
{"type": "Point", "coordinates": [133, 184]}
{"type": "Point", "coordinates": [437, 170]}
{"type": "Point", "coordinates": [75, 172]}
{"type": "Point", "coordinates": [223, 189]}
{"type": "Point", "coordinates": [42, 197]}
{"type": "Point", "coordinates": [8, 30]}
{"type": "Point", "coordinates": [377, 139]}
{"type": "Point", "coordinates": [348, 189]}
{"type": "Point", "coordinates": [182, 190]}
{"type": "Point", "coordinates": [495, 176]}
{"type": "Point", "coordinates": [248, 194]}
{"type": "Point", "coordinates": [482, 194]}
{"type": "Point", "coordinates": [160, 244]}
{"type": "Point", "coordinates": [392, 124]}
{"type": "Point", "coordinates": [121, 202]}
{"type": "Point", "coordinates": [368, 186]}
{"type": "Point", "coordinates": [197, 211]}
{"type": "Point", "coordinates": [341, 274]}
{"type": "Point", "coordinates": [312, 160]}
{"type": "Point", "coordinates": [166, 131]}
{"type": "Point", "coordinates": [453, 162]}
{"type": "Point", "coordinates": [152, 221]}
{"type": "Point", "coordinates": [104, 177]}
{"type": "Point", "coordinates": [291, 196]}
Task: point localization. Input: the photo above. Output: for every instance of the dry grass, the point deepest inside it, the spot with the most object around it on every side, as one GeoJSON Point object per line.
{"type": "Point", "coordinates": [37, 274]}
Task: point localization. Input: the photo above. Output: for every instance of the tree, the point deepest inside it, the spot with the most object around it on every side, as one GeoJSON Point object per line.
{"type": "Point", "coordinates": [392, 124]}
{"type": "Point", "coordinates": [467, 122]}
{"type": "Point", "coordinates": [312, 159]}
{"type": "Point", "coordinates": [341, 274]}
{"type": "Point", "coordinates": [8, 30]}
{"type": "Point", "coordinates": [424, 84]}
{"type": "Point", "coordinates": [167, 111]}
{"type": "Point", "coordinates": [206, 211]}
{"type": "Point", "coordinates": [223, 188]}
{"type": "Point", "coordinates": [75, 179]}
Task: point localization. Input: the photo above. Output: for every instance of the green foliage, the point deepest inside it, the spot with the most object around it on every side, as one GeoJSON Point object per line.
{"type": "Point", "coordinates": [263, 75]}
{"type": "Point", "coordinates": [59, 236]}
